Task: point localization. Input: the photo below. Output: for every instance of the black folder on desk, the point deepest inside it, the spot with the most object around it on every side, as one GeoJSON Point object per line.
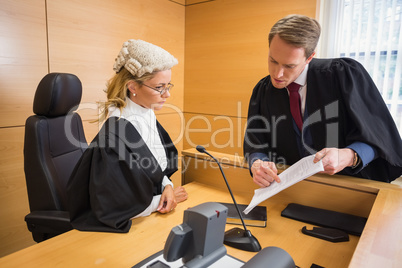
{"type": "Point", "coordinates": [326, 218]}
{"type": "Point", "coordinates": [257, 217]}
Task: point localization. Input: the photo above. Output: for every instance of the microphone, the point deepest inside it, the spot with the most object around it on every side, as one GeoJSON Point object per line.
{"type": "Point", "coordinates": [236, 237]}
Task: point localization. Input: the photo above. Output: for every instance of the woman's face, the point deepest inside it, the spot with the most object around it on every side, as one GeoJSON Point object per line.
{"type": "Point", "coordinates": [148, 97]}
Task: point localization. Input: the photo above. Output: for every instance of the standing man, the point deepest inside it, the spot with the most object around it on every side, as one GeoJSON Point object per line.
{"type": "Point", "coordinates": [327, 107]}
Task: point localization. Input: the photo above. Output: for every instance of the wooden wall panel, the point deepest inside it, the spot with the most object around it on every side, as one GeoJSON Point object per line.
{"type": "Point", "coordinates": [217, 133]}
{"type": "Point", "coordinates": [173, 123]}
{"type": "Point", "coordinates": [86, 36]}
{"type": "Point", "coordinates": [227, 48]}
{"type": "Point", "coordinates": [23, 57]}
{"type": "Point", "coordinates": [14, 234]}
{"type": "Point", "coordinates": [227, 54]}
{"type": "Point", "coordinates": [194, 2]}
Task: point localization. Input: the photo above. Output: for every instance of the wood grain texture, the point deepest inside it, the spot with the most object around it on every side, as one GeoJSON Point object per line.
{"type": "Point", "coordinates": [227, 51]}
{"type": "Point", "coordinates": [194, 2]}
{"type": "Point", "coordinates": [380, 242]}
{"type": "Point", "coordinates": [181, 2]}
{"type": "Point", "coordinates": [85, 38]}
{"type": "Point", "coordinates": [23, 58]}
{"type": "Point", "coordinates": [13, 193]}
{"type": "Point", "coordinates": [382, 238]}
{"type": "Point", "coordinates": [218, 133]}
{"type": "Point", "coordinates": [311, 192]}
{"type": "Point", "coordinates": [226, 55]}
{"type": "Point", "coordinates": [171, 123]}
{"type": "Point", "coordinates": [89, 249]}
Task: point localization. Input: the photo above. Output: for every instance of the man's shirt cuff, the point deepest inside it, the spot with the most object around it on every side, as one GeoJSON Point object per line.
{"type": "Point", "coordinates": [366, 153]}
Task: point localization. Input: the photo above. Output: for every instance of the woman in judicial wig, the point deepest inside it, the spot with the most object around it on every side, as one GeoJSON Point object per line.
{"type": "Point", "coordinates": [125, 171]}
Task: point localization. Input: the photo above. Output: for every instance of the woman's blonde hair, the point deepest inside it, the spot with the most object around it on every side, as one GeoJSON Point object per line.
{"type": "Point", "coordinates": [117, 91]}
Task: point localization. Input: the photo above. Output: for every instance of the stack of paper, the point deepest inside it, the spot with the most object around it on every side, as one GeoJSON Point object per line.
{"type": "Point", "coordinates": [302, 169]}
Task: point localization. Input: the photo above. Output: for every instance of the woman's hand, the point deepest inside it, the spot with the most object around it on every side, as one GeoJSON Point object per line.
{"type": "Point", "coordinates": [168, 200]}
{"type": "Point", "coordinates": [180, 194]}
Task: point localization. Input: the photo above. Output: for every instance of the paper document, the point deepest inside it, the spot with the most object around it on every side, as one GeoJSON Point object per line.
{"type": "Point", "coordinates": [300, 170]}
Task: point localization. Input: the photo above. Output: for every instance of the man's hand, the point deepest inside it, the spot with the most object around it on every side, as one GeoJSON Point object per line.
{"type": "Point", "coordinates": [264, 173]}
{"type": "Point", "coordinates": [168, 200]}
{"type": "Point", "coordinates": [334, 159]}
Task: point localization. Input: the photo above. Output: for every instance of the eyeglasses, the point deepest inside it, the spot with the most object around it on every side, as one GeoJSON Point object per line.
{"type": "Point", "coordinates": [161, 89]}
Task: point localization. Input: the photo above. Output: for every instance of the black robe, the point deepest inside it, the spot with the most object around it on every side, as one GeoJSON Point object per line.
{"type": "Point", "coordinates": [116, 178]}
{"type": "Point", "coordinates": [343, 105]}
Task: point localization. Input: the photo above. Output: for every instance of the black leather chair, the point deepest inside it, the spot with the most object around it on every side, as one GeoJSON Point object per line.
{"type": "Point", "coordinates": [54, 142]}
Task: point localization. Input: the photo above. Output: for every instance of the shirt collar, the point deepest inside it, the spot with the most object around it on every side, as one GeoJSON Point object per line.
{"type": "Point", "coordinates": [302, 79]}
{"type": "Point", "coordinates": [134, 108]}
{"type": "Point", "coordinates": [131, 109]}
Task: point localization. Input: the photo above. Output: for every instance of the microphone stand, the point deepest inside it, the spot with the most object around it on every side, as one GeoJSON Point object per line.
{"type": "Point", "coordinates": [236, 237]}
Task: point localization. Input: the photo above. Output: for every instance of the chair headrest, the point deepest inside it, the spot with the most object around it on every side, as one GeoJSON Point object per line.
{"type": "Point", "coordinates": [57, 94]}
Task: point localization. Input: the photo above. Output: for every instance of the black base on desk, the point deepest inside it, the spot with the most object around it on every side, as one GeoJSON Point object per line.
{"type": "Point", "coordinates": [241, 239]}
{"type": "Point", "coordinates": [351, 224]}
{"type": "Point", "coordinates": [329, 234]}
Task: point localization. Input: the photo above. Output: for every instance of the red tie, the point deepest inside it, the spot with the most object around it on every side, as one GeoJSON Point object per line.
{"type": "Point", "coordinates": [294, 98]}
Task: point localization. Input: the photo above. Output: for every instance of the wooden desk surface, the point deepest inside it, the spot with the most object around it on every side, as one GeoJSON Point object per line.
{"type": "Point", "coordinates": [87, 249]}
{"type": "Point", "coordinates": [381, 242]}
{"type": "Point", "coordinates": [377, 246]}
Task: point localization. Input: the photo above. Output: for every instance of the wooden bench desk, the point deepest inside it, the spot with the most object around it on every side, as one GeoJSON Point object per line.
{"type": "Point", "coordinates": [379, 246]}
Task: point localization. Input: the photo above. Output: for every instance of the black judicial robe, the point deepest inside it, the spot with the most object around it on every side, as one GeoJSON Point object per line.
{"type": "Point", "coordinates": [116, 178]}
{"type": "Point", "coordinates": [343, 106]}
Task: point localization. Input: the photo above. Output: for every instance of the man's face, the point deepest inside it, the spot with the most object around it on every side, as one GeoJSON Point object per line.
{"type": "Point", "coordinates": [285, 62]}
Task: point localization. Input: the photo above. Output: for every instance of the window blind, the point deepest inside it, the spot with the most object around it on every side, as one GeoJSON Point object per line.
{"type": "Point", "coordinates": [370, 32]}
